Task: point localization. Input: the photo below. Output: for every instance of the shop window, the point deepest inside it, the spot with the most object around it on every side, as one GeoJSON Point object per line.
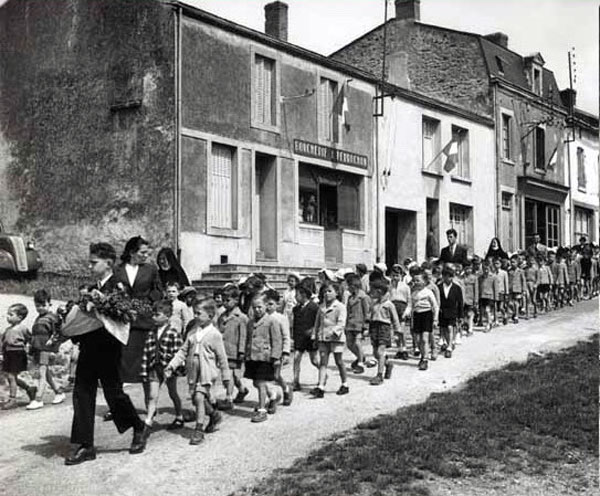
{"type": "Point", "coordinates": [581, 179]}
{"type": "Point", "coordinates": [431, 144]}
{"type": "Point", "coordinates": [461, 220]}
{"type": "Point", "coordinates": [544, 219]}
{"type": "Point", "coordinates": [506, 136]}
{"type": "Point", "coordinates": [539, 139]}
{"type": "Point", "coordinates": [222, 198]}
{"type": "Point", "coordinates": [461, 137]}
{"type": "Point", "coordinates": [553, 225]}
{"type": "Point", "coordinates": [264, 92]}
{"type": "Point", "coordinates": [308, 195]}
{"type": "Point", "coordinates": [328, 113]}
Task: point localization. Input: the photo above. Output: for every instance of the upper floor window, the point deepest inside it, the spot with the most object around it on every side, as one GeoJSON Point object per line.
{"type": "Point", "coordinates": [581, 179]}
{"type": "Point", "coordinates": [539, 148]}
{"type": "Point", "coordinates": [537, 80]}
{"type": "Point", "coordinates": [328, 111]}
{"type": "Point", "coordinates": [461, 137]}
{"type": "Point", "coordinates": [500, 65]}
{"type": "Point", "coordinates": [431, 144]}
{"type": "Point", "coordinates": [506, 136]}
{"type": "Point", "coordinates": [264, 92]}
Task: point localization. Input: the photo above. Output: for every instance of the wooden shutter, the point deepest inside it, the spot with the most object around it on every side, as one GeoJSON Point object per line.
{"type": "Point", "coordinates": [221, 207]}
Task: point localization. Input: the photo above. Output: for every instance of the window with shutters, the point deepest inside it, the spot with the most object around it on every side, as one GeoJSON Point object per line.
{"type": "Point", "coordinates": [431, 145]}
{"type": "Point", "coordinates": [506, 136]}
{"type": "Point", "coordinates": [461, 221]}
{"type": "Point", "coordinates": [581, 179]}
{"type": "Point", "coordinates": [328, 110]}
{"type": "Point", "coordinates": [461, 137]}
{"type": "Point", "coordinates": [539, 141]}
{"type": "Point", "coordinates": [265, 107]}
{"type": "Point", "coordinates": [223, 187]}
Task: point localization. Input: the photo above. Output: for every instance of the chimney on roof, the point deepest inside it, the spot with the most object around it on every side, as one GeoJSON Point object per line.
{"type": "Point", "coordinates": [409, 10]}
{"type": "Point", "coordinates": [276, 20]}
{"type": "Point", "coordinates": [498, 38]}
{"type": "Point", "coordinates": [569, 97]}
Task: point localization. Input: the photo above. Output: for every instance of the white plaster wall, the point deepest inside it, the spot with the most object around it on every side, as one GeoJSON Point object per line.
{"type": "Point", "coordinates": [407, 188]}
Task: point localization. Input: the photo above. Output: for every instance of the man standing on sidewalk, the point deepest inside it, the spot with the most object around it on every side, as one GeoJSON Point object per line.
{"type": "Point", "coordinates": [99, 358]}
{"type": "Point", "coordinates": [453, 253]}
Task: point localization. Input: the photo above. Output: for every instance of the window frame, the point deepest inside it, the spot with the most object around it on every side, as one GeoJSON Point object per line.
{"type": "Point", "coordinates": [235, 189]}
{"type": "Point", "coordinates": [536, 150]}
{"type": "Point", "coordinates": [333, 120]}
{"type": "Point", "coordinates": [536, 88]}
{"type": "Point", "coordinates": [581, 212]}
{"type": "Point", "coordinates": [463, 146]}
{"type": "Point", "coordinates": [436, 141]}
{"type": "Point", "coordinates": [581, 173]}
{"type": "Point", "coordinates": [507, 134]}
{"type": "Point", "coordinates": [276, 96]}
{"type": "Point", "coordinates": [467, 210]}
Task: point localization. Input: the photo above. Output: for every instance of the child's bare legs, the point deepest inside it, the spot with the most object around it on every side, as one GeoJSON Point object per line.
{"type": "Point", "coordinates": [236, 382]}
{"type": "Point", "coordinates": [422, 339]}
{"type": "Point", "coordinates": [46, 378]}
{"type": "Point", "coordinates": [379, 353]}
{"type": "Point", "coordinates": [174, 395]}
{"type": "Point", "coordinates": [432, 346]}
{"type": "Point", "coordinates": [323, 362]}
{"type": "Point", "coordinates": [199, 400]}
{"type": "Point", "coordinates": [470, 319]}
{"type": "Point", "coordinates": [151, 392]}
{"type": "Point", "coordinates": [261, 387]}
{"type": "Point", "coordinates": [15, 381]}
{"type": "Point", "coordinates": [354, 345]}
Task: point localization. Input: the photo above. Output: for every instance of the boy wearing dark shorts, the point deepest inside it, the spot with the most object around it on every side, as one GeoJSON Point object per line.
{"type": "Point", "coordinates": [451, 309]}
{"type": "Point", "coordinates": [304, 318]}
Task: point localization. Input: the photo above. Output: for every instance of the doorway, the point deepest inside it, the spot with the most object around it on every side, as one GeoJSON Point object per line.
{"type": "Point", "coordinates": [265, 203]}
{"type": "Point", "coordinates": [432, 245]}
{"type": "Point", "coordinates": [328, 218]}
{"type": "Point", "coordinates": [400, 235]}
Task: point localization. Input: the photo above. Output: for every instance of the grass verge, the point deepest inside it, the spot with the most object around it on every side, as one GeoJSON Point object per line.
{"type": "Point", "coordinates": [61, 286]}
{"type": "Point", "coordinates": [526, 418]}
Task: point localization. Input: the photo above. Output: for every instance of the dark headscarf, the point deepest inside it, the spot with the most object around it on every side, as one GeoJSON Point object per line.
{"type": "Point", "coordinates": [175, 272]}
{"type": "Point", "coordinates": [498, 252]}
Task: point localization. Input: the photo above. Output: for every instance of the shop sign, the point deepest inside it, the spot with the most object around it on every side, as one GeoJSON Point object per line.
{"type": "Point", "coordinates": [315, 150]}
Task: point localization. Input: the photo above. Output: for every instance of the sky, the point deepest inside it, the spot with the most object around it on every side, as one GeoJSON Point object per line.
{"type": "Point", "coordinates": [551, 27]}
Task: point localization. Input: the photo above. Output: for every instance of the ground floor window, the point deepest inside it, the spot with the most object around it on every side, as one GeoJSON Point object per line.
{"type": "Point", "coordinates": [328, 198]}
{"type": "Point", "coordinates": [507, 235]}
{"type": "Point", "coordinates": [461, 220]}
{"type": "Point", "coordinates": [584, 219]}
{"type": "Point", "coordinates": [544, 219]}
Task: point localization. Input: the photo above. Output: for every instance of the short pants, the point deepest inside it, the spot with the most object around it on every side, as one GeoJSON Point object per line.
{"type": "Point", "coordinates": [422, 322]}
{"type": "Point", "coordinates": [331, 347]}
{"type": "Point", "coordinates": [380, 334]}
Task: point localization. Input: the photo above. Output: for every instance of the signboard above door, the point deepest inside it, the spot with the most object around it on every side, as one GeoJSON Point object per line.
{"type": "Point", "coordinates": [315, 150]}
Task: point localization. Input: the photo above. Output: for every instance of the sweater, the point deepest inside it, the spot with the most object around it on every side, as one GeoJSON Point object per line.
{"type": "Point", "coordinates": [44, 327]}
{"type": "Point", "coordinates": [516, 281]}
{"type": "Point", "coordinates": [305, 317]}
{"type": "Point", "coordinates": [470, 290]}
{"type": "Point", "coordinates": [15, 337]}
{"type": "Point", "coordinates": [331, 321]}
{"type": "Point", "coordinates": [501, 282]}
{"type": "Point", "coordinates": [384, 312]}
{"type": "Point", "coordinates": [211, 356]}
{"type": "Point", "coordinates": [233, 325]}
{"type": "Point", "coordinates": [562, 276]}
{"type": "Point", "coordinates": [357, 310]}
{"type": "Point", "coordinates": [487, 288]}
{"type": "Point", "coordinates": [181, 316]}
{"type": "Point", "coordinates": [545, 275]}
{"type": "Point", "coordinates": [423, 300]}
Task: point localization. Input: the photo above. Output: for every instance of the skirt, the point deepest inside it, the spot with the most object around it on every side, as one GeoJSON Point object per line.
{"type": "Point", "coordinates": [15, 361]}
{"type": "Point", "coordinates": [260, 371]}
{"type": "Point", "coordinates": [131, 356]}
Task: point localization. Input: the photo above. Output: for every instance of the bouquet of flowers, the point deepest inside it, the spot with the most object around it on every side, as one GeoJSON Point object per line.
{"type": "Point", "coordinates": [114, 311]}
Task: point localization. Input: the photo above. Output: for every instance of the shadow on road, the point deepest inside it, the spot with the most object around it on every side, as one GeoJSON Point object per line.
{"type": "Point", "coordinates": [50, 447]}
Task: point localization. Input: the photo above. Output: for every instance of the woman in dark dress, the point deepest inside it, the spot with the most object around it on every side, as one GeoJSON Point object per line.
{"type": "Point", "coordinates": [170, 270]}
{"type": "Point", "coordinates": [141, 281]}
{"type": "Point", "coordinates": [495, 250]}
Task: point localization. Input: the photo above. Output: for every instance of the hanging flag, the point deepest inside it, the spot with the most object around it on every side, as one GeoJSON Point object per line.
{"type": "Point", "coordinates": [450, 151]}
{"type": "Point", "coordinates": [552, 161]}
{"type": "Point", "coordinates": [344, 109]}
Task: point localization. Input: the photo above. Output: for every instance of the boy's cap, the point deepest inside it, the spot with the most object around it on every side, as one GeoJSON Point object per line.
{"type": "Point", "coordinates": [397, 269]}
{"type": "Point", "coordinates": [188, 290]}
{"type": "Point", "coordinates": [328, 274]}
{"type": "Point", "coordinates": [381, 266]}
{"type": "Point", "coordinates": [295, 274]}
{"type": "Point", "coordinates": [341, 274]}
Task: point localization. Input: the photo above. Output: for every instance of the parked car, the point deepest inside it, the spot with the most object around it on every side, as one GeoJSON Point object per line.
{"type": "Point", "coordinates": [18, 256]}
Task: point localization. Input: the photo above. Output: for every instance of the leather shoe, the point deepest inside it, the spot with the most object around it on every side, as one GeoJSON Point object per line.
{"type": "Point", "coordinates": [108, 416]}
{"type": "Point", "coordinates": [138, 443]}
{"type": "Point", "coordinates": [82, 454]}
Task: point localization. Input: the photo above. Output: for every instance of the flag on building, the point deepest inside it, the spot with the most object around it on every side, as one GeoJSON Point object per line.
{"type": "Point", "coordinates": [450, 152]}
{"type": "Point", "coordinates": [344, 108]}
{"type": "Point", "coordinates": [552, 161]}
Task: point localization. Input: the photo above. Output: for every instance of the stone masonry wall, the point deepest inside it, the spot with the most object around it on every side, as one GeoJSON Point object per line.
{"type": "Point", "coordinates": [87, 124]}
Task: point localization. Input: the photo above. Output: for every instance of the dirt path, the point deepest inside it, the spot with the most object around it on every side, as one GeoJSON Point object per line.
{"type": "Point", "coordinates": [241, 453]}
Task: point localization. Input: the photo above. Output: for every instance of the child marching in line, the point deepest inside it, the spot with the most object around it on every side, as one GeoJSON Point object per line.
{"type": "Point", "coordinates": [289, 296]}
{"type": "Point", "coordinates": [487, 296]}
{"type": "Point", "coordinates": [272, 300]}
{"type": "Point", "coordinates": [574, 271]}
{"type": "Point", "coordinates": [399, 296]}
{"type": "Point", "coordinates": [561, 281]}
{"type": "Point", "coordinates": [423, 309]}
{"type": "Point", "coordinates": [264, 347]}
{"type": "Point", "coordinates": [218, 298]}
{"type": "Point", "coordinates": [44, 349]}
{"type": "Point", "coordinates": [357, 321]}
{"type": "Point", "coordinates": [451, 309]}
{"type": "Point", "coordinates": [331, 321]}
{"type": "Point", "coordinates": [203, 354]}
{"type": "Point", "coordinates": [188, 296]}
{"type": "Point", "coordinates": [181, 317]}
{"type": "Point", "coordinates": [500, 292]}
{"type": "Point", "coordinates": [161, 345]}
{"type": "Point", "coordinates": [233, 325]}
{"type": "Point", "coordinates": [382, 322]}
{"type": "Point", "coordinates": [545, 281]}
{"type": "Point", "coordinates": [13, 343]}
{"type": "Point", "coordinates": [517, 285]}
{"type": "Point", "coordinates": [531, 278]}
{"type": "Point", "coordinates": [470, 284]}
{"type": "Point", "coordinates": [304, 319]}
{"type": "Point", "coordinates": [430, 283]}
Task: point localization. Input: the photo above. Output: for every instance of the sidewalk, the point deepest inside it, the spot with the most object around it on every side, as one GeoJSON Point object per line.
{"type": "Point", "coordinates": [242, 453]}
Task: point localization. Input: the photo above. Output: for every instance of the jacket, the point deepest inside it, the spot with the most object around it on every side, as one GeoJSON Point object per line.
{"type": "Point", "coordinates": [516, 281]}
{"type": "Point", "coordinates": [357, 312]}
{"type": "Point", "coordinates": [305, 318]}
{"type": "Point", "coordinates": [460, 255]}
{"type": "Point", "coordinates": [451, 306]}
{"type": "Point", "coordinates": [471, 290]}
{"type": "Point", "coordinates": [384, 311]}
{"type": "Point", "coordinates": [44, 327]}
{"type": "Point", "coordinates": [574, 271]}
{"type": "Point", "coordinates": [487, 288]}
{"type": "Point", "coordinates": [160, 351]}
{"type": "Point", "coordinates": [233, 326]}
{"type": "Point", "coordinates": [501, 283]}
{"type": "Point", "coordinates": [263, 342]}
{"type": "Point", "coordinates": [331, 321]}
{"type": "Point", "coordinates": [283, 324]}
{"type": "Point", "coordinates": [211, 356]}
{"type": "Point", "coordinates": [562, 276]}
{"type": "Point", "coordinates": [545, 275]}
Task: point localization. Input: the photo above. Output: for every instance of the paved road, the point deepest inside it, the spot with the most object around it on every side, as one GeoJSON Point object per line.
{"type": "Point", "coordinates": [241, 453]}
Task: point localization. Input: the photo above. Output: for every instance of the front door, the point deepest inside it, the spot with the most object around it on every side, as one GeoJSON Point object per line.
{"type": "Point", "coordinates": [265, 211]}
{"type": "Point", "coordinates": [400, 236]}
{"type": "Point", "coordinates": [328, 218]}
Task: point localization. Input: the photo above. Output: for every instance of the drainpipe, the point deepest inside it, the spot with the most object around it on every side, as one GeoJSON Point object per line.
{"type": "Point", "coordinates": [498, 210]}
{"type": "Point", "coordinates": [177, 88]}
{"type": "Point", "coordinates": [377, 201]}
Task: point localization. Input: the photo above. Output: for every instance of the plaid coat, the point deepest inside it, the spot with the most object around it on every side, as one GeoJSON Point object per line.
{"type": "Point", "coordinates": [160, 351]}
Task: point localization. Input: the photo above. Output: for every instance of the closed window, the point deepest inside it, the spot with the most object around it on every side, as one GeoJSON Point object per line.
{"type": "Point", "coordinates": [461, 137]}
{"type": "Point", "coordinates": [222, 208]}
{"type": "Point", "coordinates": [553, 225]}
{"type": "Point", "coordinates": [581, 179]}
{"type": "Point", "coordinates": [461, 221]}
{"type": "Point", "coordinates": [264, 101]}
{"type": "Point", "coordinates": [583, 223]}
{"type": "Point", "coordinates": [506, 136]}
{"type": "Point", "coordinates": [328, 111]}
{"type": "Point", "coordinates": [539, 141]}
{"type": "Point", "coordinates": [431, 144]}
{"type": "Point", "coordinates": [537, 81]}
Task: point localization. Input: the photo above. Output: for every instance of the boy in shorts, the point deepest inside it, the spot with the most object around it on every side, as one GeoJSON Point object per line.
{"type": "Point", "coordinates": [517, 286]}
{"type": "Point", "coordinates": [303, 328]}
{"type": "Point", "coordinates": [357, 321]}
{"type": "Point", "coordinates": [451, 309]}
